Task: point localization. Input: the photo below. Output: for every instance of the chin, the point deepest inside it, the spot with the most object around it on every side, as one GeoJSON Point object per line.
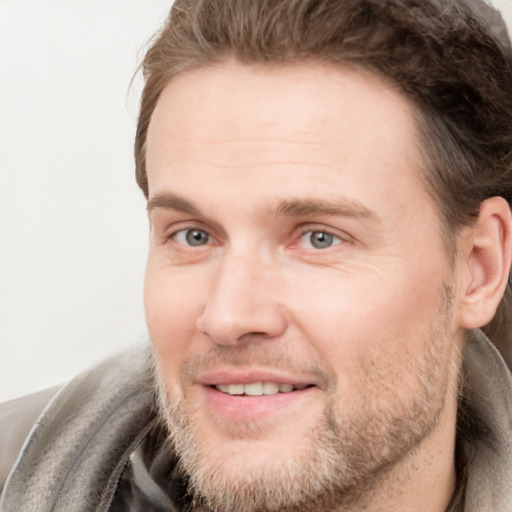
{"type": "Point", "coordinates": [319, 465]}
{"type": "Point", "coordinates": [256, 471]}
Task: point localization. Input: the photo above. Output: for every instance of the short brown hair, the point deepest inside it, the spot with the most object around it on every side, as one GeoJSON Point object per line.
{"type": "Point", "coordinates": [451, 58]}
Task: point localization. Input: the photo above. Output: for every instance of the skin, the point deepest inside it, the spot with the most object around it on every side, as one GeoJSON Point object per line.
{"type": "Point", "coordinates": [257, 159]}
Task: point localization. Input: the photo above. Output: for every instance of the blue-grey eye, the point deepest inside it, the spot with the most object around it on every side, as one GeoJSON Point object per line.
{"type": "Point", "coordinates": [319, 240]}
{"type": "Point", "coordinates": [192, 237]}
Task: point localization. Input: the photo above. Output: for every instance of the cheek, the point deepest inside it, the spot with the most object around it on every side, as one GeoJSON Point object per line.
{"type": "Point", "coordinates": [173, 305]}
{"type": "Point", "coordinates": [375, 320]}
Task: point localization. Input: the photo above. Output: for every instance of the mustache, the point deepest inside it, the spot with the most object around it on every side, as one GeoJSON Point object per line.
{"type": "Point", "coordinates": [253, 355]}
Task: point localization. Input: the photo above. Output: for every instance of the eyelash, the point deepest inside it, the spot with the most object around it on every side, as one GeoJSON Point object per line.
{"type": "Point", "coordinates": [188, 230]}
{"type": "Point", "coordinates": [329, 235]}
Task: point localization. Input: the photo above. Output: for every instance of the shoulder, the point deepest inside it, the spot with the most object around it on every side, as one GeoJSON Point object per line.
{"type": "Point", "coordinates": [82, 440]}
{"type": "Point", "coordinates": [16, 420]}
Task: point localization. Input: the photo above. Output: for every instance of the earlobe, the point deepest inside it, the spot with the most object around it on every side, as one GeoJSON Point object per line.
{"type": "Point", "coordinates": [489, 253]}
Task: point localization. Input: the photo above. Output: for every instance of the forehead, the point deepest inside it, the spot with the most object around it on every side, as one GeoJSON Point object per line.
{"type": "Point", "coordinates": [300, 127]}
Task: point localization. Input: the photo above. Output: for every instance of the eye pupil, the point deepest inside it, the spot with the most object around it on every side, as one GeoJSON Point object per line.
{"type": "Point", "coordinates": [195, 237]}
{"type": "Point", "coordinates": [320, 239]}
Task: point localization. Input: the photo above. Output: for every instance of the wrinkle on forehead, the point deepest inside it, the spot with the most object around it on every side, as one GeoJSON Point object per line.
{"type": "Point", "coordinates": [272, 105]}
{"type": "Point", "coordinates": [255, 140]}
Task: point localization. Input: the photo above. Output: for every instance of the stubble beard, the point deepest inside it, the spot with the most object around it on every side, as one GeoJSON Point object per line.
{"type": "Point", "coordinates": [348, 459]}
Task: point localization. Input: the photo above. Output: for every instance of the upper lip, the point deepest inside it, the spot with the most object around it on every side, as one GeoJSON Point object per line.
{"type": "Point", "coordinates": [250, 375]}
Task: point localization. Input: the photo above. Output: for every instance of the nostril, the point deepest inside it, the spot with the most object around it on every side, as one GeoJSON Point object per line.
{"type": "Point", "coordinates": [251, 336]}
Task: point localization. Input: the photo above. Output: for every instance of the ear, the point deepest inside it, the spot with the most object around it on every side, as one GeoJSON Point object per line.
{"type": "Point", "coordinates": [487, 253]}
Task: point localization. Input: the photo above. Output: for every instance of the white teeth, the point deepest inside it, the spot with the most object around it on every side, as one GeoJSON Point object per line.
{"type": "Point", "coordinates": [236, 389]}
{"type": "Point", "coordinates": [257, 388]}
{"type": "Point", "coordinates": [254, 389]}
{"type": "Point", "coordinates": [270, 388]}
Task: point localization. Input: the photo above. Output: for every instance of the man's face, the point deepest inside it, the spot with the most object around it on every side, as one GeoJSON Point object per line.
{"type": "Point", "coordinates": [297, 288]}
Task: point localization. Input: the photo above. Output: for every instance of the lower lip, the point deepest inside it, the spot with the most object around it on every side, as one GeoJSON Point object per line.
{"type": "Point", "coordinates": [250, 408]}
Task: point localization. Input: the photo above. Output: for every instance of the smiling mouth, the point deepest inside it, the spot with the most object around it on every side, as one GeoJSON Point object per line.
{"type": "Point", "coordinates": [259, 388]}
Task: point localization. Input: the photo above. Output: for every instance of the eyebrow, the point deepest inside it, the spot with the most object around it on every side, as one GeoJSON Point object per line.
{"type": "Point", "coordinates": [285, 207]}
{"type": "Point", "coordinates": [170, 201]}
{"type": "Point", "coordinates": [343, 207]}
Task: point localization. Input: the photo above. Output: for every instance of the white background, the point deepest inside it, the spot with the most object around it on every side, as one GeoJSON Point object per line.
{"type": "Point", "coordinates": [73, 233]}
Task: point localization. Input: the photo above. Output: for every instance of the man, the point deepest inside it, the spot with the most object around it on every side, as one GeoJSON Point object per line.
{"type": "Point", "coordinates": [328, 188]}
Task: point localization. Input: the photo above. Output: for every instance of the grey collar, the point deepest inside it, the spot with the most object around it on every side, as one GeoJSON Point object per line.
{"type": "Point", "coordinates": [489, 485]}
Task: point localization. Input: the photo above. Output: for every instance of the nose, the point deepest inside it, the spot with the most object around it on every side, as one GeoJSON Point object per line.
{"type": "Point", "coordinates": [241, 305]}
